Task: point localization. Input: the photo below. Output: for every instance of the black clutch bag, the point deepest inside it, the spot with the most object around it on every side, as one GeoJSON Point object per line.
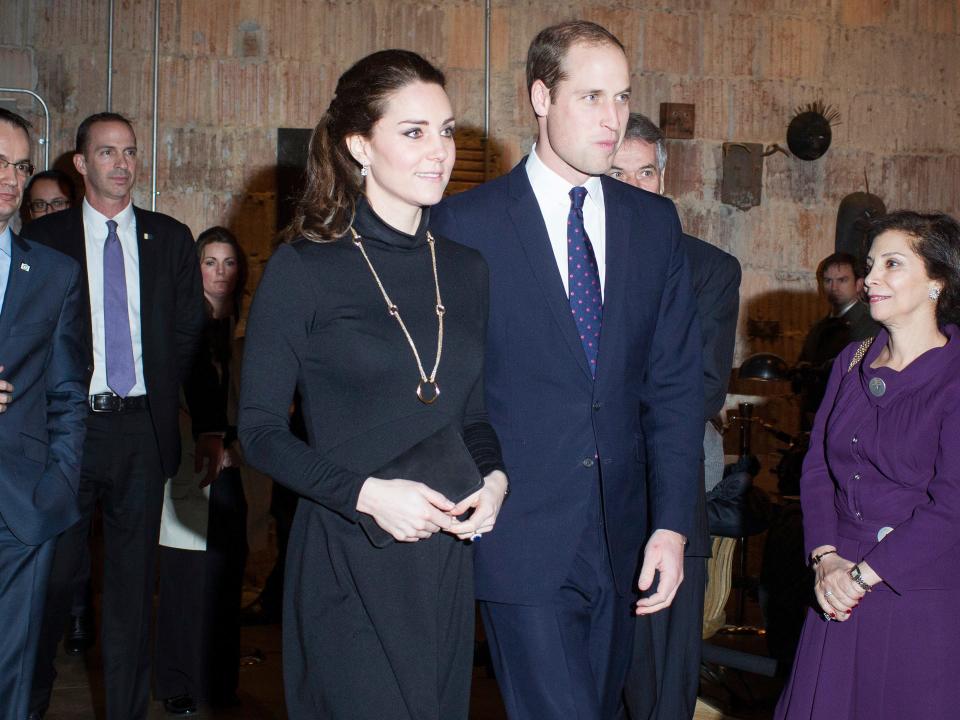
{"type": "Point", "coordinates": [441, 462]}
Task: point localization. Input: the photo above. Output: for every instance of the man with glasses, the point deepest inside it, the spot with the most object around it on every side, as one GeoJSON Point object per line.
{"type": "Point", "coordinates": [47, 192]}
{"type": "Point", "coordinates": [42, 411]}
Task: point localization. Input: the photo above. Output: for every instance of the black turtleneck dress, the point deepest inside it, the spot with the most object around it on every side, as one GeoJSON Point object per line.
{"type": "Point", "coordinates": [384, 634]}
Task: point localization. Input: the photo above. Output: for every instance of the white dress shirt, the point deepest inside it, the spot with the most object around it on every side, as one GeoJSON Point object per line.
{"type": "Point", "coordinates": [95, 234]}
{"type": "Point", "coordinates": [553, 196]}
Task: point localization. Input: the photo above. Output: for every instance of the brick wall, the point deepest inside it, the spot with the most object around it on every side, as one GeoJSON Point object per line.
{"type": "Point", "coordinates": [232, 71]}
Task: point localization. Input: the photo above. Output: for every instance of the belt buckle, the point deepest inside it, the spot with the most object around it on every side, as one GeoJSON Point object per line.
{"type": "Point", "coordinates": [106, 402]}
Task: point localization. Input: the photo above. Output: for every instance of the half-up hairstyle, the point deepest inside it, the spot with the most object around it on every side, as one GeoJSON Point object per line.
{"type": "Point", "coordinates": [327, 205]}
{"type": "Point", "coordinates": [936, 239]}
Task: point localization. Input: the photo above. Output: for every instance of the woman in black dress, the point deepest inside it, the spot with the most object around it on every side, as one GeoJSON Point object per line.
{"type": "Point", "coordinates": [369, 315]}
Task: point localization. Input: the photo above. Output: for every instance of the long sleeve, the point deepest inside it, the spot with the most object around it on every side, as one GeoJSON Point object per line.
{"type": "Point", "coordinates": [277, 330]}
{"type": "Point", "coordinates": [672, 414]}
{"type": "Point", "coordinates": [190, 315]}
{"type": "Point", "coordinates": [718, 328]}
{"type": "Point", "coordinates": [817, 488]}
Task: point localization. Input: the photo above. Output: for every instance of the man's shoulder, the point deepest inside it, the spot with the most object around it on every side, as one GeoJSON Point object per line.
{"type": "Point", "coordinates": [480, 197]}
{"type": "Point", "coordinates": [704, 252]}
{"type": "Point", "coordinates": [159, 222]}
{"type": "Point", "coordinates": [42, 258]}
{"type": "Point", "coordinates": [54, 226]}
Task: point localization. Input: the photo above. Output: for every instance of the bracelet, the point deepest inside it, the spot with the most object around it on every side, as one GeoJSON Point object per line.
{"type": "Point", "coordinates": [857, 577]}
{"type": "Point", "coordinates": [821, 556]}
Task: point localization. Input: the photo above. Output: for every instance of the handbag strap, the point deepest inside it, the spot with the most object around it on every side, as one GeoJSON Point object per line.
{"type": "Point", "coordinates": [861, 351]}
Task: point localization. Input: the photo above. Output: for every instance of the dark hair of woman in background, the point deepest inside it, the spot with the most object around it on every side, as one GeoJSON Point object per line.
{"type": "Point", "coordinates": [881, 495]}
{"type": "Point", "coordinates": [379, 325]}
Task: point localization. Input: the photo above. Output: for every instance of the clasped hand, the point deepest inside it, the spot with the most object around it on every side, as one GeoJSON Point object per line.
{"type": "Point", "coordinates": [836, 591]}
{"type": "Point", "coordinates": [411, 511]}
{"type": "Point", "coordinates": [6, 393]}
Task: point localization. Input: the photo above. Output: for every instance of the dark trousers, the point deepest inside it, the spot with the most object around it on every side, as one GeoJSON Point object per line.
{"type": "Point", "coordinates": [121, 470]}
{"type": "Point", "coordinates": [567, 659]}
{"type": "Point", "coordinates": [198, 616]}
{"type": "Point", "coordinates": [671, 693]}
{"type": "Point", "coordinates": [23, 579]}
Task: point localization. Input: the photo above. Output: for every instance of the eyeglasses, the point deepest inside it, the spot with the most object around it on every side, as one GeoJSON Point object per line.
{"type": "Point", "coordinates": [24, 167]}
{"type": "Point", "coordinates": [42, 206]}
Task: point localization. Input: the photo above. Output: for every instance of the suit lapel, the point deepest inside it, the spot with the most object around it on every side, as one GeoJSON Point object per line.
{"type": "Point", "coordinates": [617, 219]}
{"type": "Point", "coordinates": [17, 284]}
{"type": "Point", "coordinates": [527, 219]}
{"type": "Point", "coordinates": [146, 248]}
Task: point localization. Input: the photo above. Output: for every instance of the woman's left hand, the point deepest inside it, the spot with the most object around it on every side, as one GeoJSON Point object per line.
{"type": "Point", "coordinates": [837, 594]}
{"type": "Point", "coordinates": [486, 503]}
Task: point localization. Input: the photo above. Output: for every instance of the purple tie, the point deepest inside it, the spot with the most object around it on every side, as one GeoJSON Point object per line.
{"type": "Point", "coordinates": [586, 302]}
{"type": "Point", "coordinates": [116, 322]}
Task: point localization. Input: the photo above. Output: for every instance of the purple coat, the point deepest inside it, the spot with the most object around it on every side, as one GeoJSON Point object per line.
{"type": "Point", "coordinates": [885, 465]}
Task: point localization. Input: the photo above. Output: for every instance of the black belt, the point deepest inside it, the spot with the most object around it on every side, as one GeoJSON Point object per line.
{"type": "Point", "coordinates": [110, 403]}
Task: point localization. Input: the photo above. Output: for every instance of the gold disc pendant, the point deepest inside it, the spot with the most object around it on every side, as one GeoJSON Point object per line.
{"type": "Point", "coordinates": [431, 394]}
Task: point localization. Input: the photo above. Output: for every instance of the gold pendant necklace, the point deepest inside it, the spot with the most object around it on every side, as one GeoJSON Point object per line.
{"type": "Point", "coordinates": [427, 389]}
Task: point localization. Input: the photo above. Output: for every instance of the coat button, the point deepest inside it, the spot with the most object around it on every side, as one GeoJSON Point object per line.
{"type": "Point", "coordinates": [854, 441]}
{"type": "Point", "coordinates": [588, 462]}
{"type": "Point", "coordinates": [857, 476]}
{"type": "Point", "coordinates": [597, 405]}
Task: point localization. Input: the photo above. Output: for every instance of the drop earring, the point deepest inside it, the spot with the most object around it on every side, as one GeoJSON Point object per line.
{"type": "Point", "coordinates": [364, 170]}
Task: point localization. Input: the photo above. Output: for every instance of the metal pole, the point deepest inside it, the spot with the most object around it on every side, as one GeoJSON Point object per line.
{"type": "Point", "coordinates": [45, 140]}
{"type": "Point", "coordinates": [110, 57]}
{"type": "Point", "coordinates": [156, 66]}
{"type": "Point", "coordinates": [487, 12]}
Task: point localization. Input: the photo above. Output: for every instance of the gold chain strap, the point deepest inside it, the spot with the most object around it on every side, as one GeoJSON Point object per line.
{"type": "Point", "coordinates": [425, 381]}
{"type": "Point", "coordinates": [861, 351]}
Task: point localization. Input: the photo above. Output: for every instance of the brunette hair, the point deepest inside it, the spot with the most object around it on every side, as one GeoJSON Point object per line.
{"type": "Point", "coordinates": [218, 234]}
{"type": "Point", "coordinates": [840, 258]}
{"type": "Point", "coordinates": [333, 185]}
{"type": "Point", "coordinates": [62, 180]}
{"type": "Point", "coordinates": [936, 239]}
{"type": "Point", "coordinates": [549, 48]}
{"type": "Point", "coordinates": [83, 131]}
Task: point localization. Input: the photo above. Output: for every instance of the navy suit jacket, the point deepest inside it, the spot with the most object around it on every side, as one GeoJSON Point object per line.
{"type": "Point", "coordinates": [641, 420]}
{"type": "Point", "coordinates": [715, 277]}
{"type": "Point", "coordinates": [42, 430]}
{"type": "Point", "coordinates": [171, 308]}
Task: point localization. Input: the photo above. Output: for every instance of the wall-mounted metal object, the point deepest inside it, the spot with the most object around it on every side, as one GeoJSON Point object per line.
{"type": "Point", "coordinates": [677, 120]}
{"type": "Point", "coordinates": [742, 175]}
{"type": "Point", "coordinates": [809, 133]}
{"type": "Point", "coordinates": [44, 141]}
{"type": "Point", "coordinates": [853, 222]}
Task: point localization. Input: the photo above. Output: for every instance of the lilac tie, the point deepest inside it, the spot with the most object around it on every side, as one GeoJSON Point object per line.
{"type": "Point", "coordinates": [116, 322]}
{"type": "Point", "coordinates": [586, 302]}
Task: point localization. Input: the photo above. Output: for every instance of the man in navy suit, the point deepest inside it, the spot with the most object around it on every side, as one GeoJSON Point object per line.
{"type": "Point", "coordinates": [641, 161]}
{"type": "Point", "coordinates": [42, 412]}
{"type": "Point", "coordinates": [594, 384]}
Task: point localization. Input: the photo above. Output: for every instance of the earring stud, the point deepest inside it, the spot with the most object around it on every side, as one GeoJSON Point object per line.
{"type": "Point", "coordinates": [364, 170]}
{"type": "Point", "coordinates": [934, 293]}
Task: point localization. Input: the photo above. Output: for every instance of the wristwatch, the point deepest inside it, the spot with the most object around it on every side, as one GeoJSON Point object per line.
{"type": "Point", "coordinates": [857, 577]}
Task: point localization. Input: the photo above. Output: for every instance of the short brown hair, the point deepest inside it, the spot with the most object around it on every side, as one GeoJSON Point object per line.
{"type": "Point", "coordinates": [549, 48]}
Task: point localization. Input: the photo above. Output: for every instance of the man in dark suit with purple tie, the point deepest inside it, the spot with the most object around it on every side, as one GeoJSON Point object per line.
{"type": "Point", "coordinates": [42, 410]}
{"type": "Point", "coordinates": [594, 384]}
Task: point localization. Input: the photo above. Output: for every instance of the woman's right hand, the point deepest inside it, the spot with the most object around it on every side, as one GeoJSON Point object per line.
{"type": "Point", "coordinates": [836, 591]}
{"type": "Point", "coordinates": [408, 510]}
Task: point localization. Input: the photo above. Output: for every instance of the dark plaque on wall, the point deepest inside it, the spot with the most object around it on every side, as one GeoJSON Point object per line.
{"type": "Point", "coordinates": [677, 120]}
{"type": "Point", "coordinates": [292, 147]}
{"type": "Point", "coordinates": [742, 174]}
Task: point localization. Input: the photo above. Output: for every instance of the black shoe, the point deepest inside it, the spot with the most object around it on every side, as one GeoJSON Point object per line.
{"type": "Point", "coordinates": [180, 705]}
{"type": "Point", "coordinates": [79, 636]}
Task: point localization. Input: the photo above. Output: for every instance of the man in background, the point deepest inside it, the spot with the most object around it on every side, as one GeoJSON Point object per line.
{"type": "Point", "coordinates": [715, 276]}
{"type": "Point", "coordinates": [143, 304]}
{"type": "Point", "coordinates": [42, 410]}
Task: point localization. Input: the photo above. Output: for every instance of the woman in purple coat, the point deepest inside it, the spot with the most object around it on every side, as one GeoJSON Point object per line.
{"type": "Point", "coordinates": [881, 496]}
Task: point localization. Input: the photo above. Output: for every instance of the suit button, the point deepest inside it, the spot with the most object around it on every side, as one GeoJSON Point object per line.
{"type": "Point", "coordinates": [588, 462]}
{"type": "Point", "coordinates": [854, 441]}
{"type": "Point", "coordinates": [597, 405]}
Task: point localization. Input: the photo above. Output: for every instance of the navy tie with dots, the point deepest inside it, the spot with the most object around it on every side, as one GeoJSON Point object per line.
{"type": "Point", "coordinates": [586, 302]}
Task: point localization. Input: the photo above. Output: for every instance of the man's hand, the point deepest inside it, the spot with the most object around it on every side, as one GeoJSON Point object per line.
{"type": "Point", "coordinates": [210, 448]}
{"type": "Point", "coordinates": [486, 503]}
{"type": "Point", "coordinates": [663, 553]}
{"type": "Point", "coordinates": [6, 393]}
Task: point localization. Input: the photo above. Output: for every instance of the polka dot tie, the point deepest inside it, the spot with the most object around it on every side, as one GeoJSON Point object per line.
{"type": "Point", "coordinates": [586, 302]}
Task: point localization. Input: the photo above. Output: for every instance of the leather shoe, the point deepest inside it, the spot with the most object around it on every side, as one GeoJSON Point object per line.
{"type": "Point", "coordinates": [180, 705]}
{"type": "Point", "coordinates": [79, 636]}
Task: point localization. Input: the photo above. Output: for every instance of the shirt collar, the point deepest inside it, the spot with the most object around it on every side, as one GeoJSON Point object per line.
{"type": "Point", "coordinates": [124, 218]}
{"type": "Point", "coordinates": [846, 308]}
{"type": "Point", "coordinates": [6, 242]}
{"type": "Point", "coordinates": [549, 184]}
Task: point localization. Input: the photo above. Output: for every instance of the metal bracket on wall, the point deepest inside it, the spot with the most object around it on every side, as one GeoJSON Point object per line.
{"type": "Point", "coordinates": [45, 140]}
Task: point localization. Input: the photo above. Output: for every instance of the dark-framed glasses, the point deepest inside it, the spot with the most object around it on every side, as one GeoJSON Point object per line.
{"type": "Point", "coordinates": [42, 206]}
{"type": "Point", "coordinates": [24, 168]}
